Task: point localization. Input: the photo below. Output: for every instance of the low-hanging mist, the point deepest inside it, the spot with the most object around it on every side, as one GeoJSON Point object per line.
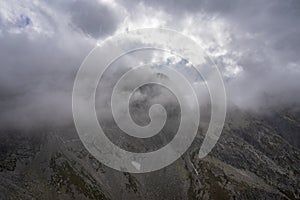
{"type": "Point", "coordinates": [255, 44]}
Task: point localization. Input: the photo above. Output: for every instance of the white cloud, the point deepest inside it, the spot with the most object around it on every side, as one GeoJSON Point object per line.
{"type": "Point", "coordinates": [44, 42]}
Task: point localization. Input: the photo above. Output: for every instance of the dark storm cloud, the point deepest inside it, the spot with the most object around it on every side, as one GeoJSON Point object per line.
{"type": "Point", "coordinates": [93, 18]}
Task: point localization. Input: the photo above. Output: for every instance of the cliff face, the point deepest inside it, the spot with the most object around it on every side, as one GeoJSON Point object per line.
{"type": "Point", "coordinates": [257, 157]}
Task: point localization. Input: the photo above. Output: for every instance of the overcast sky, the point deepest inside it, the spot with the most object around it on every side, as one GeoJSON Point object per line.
{"type": "Point", "coordinates": [256, 45]}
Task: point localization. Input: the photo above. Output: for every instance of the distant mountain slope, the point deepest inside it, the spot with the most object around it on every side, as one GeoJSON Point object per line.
{"type": "Point", "coordinates": [257, 157]}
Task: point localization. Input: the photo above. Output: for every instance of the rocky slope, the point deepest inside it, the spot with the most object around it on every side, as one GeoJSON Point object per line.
{"type": "Point", "coordinates": [257, 157]}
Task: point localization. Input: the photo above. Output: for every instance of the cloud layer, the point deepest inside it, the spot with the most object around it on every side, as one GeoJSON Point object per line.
{"type": "Point", "coordinates": [256, 44]}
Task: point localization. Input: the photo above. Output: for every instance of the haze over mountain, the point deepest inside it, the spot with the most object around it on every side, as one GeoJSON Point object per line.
{"type": "Point", "coordinates": [255, 45]}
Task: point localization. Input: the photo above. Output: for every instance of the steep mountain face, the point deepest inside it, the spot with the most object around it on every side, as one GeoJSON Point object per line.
{"type": "Point", "coordinates": [257, 157]}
